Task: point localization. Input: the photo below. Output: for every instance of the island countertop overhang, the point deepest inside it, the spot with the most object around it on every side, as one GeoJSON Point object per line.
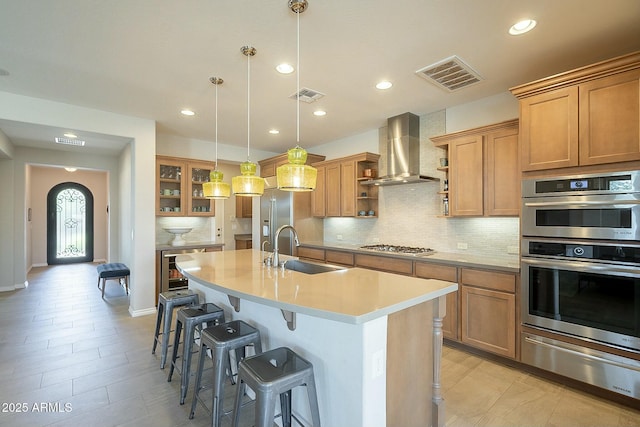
{"type": "Point", "coordinates": [352, 295]}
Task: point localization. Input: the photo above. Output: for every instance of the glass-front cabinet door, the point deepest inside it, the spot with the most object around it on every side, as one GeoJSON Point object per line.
{"type": "Point", "coordinates": [198, 204]}
{"type": "Point", "coordinates": [169, 187]}
{"type": "Point", "coordinates": [179, 189]}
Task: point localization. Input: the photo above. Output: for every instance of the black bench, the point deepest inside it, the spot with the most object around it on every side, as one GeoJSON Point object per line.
{"type": "Point", "coordinates": [114, 270]}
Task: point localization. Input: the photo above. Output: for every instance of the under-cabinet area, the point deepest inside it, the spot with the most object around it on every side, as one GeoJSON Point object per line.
{"type": "Point", "coordinates": [168, 277]}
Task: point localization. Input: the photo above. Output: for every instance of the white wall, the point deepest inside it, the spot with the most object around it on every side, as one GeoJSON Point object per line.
{"type": "Point", "coordinates": [137, 165]}
{"type": "Point", "coordinates": [485, 111]}
{"type": "Point", "coordinates": [40, 181]}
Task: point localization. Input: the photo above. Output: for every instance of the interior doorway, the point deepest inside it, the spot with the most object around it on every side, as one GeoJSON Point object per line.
{"type": "Point", "coordinates": [69, 224]}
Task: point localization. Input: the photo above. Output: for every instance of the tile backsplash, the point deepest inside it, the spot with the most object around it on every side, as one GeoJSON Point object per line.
{"type": "Point", "coordinates": [409, 213]}
{"type": "Point", "coordinates": [203, 229]}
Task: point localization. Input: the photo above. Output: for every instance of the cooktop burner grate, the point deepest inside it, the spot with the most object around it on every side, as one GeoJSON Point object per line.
{"type": "Point", "coordinates": [409, 250]}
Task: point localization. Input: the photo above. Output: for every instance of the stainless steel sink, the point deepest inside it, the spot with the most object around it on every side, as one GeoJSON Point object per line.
{"type": "Point", "coordinates": [309, 267]}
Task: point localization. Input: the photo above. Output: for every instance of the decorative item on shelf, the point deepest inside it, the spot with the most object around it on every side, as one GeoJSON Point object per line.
{"type": "Point", "coordinates": [369, 173]}
{"type": "Point", "coordinates": [216, 188]}
{"type": "Point", "coordinates": [178, 232]}
{"type": "Point", "coordinates": [445, 209]}
{"type": "Point", "coordinates": [444, 162]}
{"type": "Point", "coordinates": [296, 175]}
{"type": "Point", "coordinates": [248, 184]}
{"type": "Point", "coordinates": [445, 186]}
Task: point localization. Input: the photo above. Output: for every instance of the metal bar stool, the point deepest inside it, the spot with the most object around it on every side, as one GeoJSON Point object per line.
{"type": "Point", "coordinates": [274, 373]}
{"type": "Point", "coordinates": [193, 318]}
{"type": "Point", "coordinates": [167, 302]}
{"type": "Point", "coordinates": [222, 339]}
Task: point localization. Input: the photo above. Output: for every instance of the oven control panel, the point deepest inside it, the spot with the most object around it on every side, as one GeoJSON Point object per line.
{"type": "Point", "coordinates": [568, 249]}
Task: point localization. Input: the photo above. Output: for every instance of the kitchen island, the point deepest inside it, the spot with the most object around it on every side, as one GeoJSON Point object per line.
{"type": "Point", "coordinates": [374, 338]}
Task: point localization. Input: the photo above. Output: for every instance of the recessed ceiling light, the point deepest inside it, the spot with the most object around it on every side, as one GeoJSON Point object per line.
{"type": "Point", "coordinates": [274, 131]}
{"type": "Point", "coordinates": [70, 135]}
{"type": "Point", "coordinates": [384, 85]}
{"type": "Point", "coordinates": [522, 27]}
{"type": "Point", "coordinates": [319, 113]}
{"type": "Point", "coordinates": [285, 68]}
{"type": "Point", "coordinates": [188, 112]}
{"type": "Point", "coordinates": [70, 169]}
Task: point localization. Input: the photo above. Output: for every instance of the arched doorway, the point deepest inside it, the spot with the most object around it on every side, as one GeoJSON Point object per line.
{"type": "Point", "coordinates": [69, 224]}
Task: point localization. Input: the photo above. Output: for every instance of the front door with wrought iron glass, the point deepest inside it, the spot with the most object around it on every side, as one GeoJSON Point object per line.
{"type": "Point", "coordinates": [69, 224]}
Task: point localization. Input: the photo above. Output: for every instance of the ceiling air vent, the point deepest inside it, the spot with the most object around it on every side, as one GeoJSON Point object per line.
{"type": "Point", "coordinates": [451, 74]}
{"type": "Point", "coordinates": [307, 95]}
{"type": "Point", "coordinates": [69, 141]}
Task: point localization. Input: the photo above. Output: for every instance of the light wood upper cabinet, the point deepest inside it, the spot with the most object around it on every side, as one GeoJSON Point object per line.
{"type": "Point", "coordinates": [587, 116]}
{"type": "Point", "coordinates": [332, 189]}
{"type": "Point", "coordinates": [318, 205]}
{"type": "Point", "coordinates": [244, 208]}
{"type": "Point", "coordinates": [348, 188]}
{"type": "Point", "coordinates": [549, 130]}
{"type": "Point", "coordinates": [502, 172]}
{"type": "Point", "coordinates": [466, 172]}
{"type": "Point", "coordinates": [179, 185]}
{"type": "Point", "coordinates": [610, 119]}
{"type": "Point", "coordinates": [339, 190]}
{"type": "Point", "coordinates": [483, 171]}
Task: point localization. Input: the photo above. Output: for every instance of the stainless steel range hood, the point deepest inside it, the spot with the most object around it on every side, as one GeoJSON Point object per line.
{"type": "Point", "coordinates": [403, 152]}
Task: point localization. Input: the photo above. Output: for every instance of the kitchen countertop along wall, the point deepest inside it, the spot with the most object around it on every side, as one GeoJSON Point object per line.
{"type": "Point", "coordinates": [507, 263]}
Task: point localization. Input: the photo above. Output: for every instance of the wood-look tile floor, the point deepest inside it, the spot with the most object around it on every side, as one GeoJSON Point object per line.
{"type": "Point", "coordinates": [70, 358]}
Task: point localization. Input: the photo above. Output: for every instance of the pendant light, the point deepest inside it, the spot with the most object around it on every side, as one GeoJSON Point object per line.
{"type": "Point", "coordinates": [248, 184]}
{"type": "Point", "coordinates": [216, 188]}
{"type": "Point", "coordinates": [296, 175]}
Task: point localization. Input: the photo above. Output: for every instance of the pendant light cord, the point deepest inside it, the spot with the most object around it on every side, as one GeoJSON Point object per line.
{"type": "Point", "coordinates": [298, 86]}
{"type": "Point", "coordinates": [248, 103]}
{"type": "Point", "coordinates": [216, 165]}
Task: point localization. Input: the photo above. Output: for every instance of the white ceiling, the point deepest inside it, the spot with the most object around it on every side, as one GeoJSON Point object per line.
{"type": "Point", "coordinates": [151, 58]}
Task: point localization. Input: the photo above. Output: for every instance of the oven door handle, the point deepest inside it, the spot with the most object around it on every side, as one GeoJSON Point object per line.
{"type": "Point", "coordinates": [584, 266]}
{"type": "Point", "coordinates": [582, 203]}
{"type": "Point", "coordinates": [581, 354]}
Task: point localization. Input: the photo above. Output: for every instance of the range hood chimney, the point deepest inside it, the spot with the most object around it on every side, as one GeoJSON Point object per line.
{"type": "Point", "coordinates": [403, 152]}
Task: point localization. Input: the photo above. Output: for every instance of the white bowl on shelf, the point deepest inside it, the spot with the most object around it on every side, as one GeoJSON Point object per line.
{"type": "Point", "coordinates": [178, 232]}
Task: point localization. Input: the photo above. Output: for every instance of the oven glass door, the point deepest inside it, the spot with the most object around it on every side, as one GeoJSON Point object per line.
{"type": "Point", "coordinates": [592, 300]}
{"type": "Point", "coordinates": [596, 217]}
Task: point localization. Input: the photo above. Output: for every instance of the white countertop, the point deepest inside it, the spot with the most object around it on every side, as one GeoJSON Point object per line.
{"type": "Point", "coordinates": [508, 263]}
{"type": "Point", "coordinates": [352, 295]}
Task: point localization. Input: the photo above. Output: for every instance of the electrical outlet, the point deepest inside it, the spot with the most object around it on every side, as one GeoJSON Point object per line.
{"type": "Point", "coordinates": [463, 246]}
{"type": "Point", "coordinates": [339, 236]}
{"type": "Point", "coordinates": [513, 250]}
{"type": "Point", "coordinates": [377, 362]}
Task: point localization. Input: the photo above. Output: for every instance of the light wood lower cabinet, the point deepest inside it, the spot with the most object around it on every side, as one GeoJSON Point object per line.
{"type": "Point", "coordinates": [314, 254]}
{"type": "Point", "coordinates": [392, 265]}
{"type": "Point", "coordinates": [450, 274]}
{"type": "Point", "coordinates": [488, 311]}
{"type": "Point", "coordinates": [339, 257]}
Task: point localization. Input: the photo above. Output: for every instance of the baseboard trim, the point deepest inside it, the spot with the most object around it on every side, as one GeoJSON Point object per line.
{"type": "Point", "coordinates": [14, 287]}
{"type": "Point", "coordinates": [144, 312]}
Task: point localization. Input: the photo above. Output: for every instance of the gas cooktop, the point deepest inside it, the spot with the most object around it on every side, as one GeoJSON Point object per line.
{"type": "Point", "coordinates": [403, 250]}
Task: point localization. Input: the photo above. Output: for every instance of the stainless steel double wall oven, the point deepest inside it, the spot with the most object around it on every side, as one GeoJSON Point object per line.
{"type": "Point", "coordinates": [580, 270]}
